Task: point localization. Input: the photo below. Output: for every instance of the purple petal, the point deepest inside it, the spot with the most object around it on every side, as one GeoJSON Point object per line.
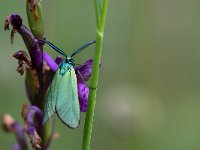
{"type": "Point", "coordinates": [15, 20]}
{"type": "Point", "coordinates": [50, 62]}
{"type": "Point", "coordinates": [34, 123]}
{"type": "Point", "coordinates": [20, 135]}
{"type": "Point", "coordinates": [9, 124]}
{"type": "Point", "coordinates": [34, 137]}
{"type": "Point", "coordinates": [36, 55]}
{"type": "Point", "coordinates": [27, 36]}
{"type": "Point", "coordinates": [83, 72]}
{"type": "Point", "coordinates": [83, 92]}
{"type": "Point", "coordinates": [58, 60]}
{"type": "Point", "coordinates": [16, 147]}
{"type": "Point", "coordinates": [34, 116]}
{"type": "Point", "coordinates": [16, 23]}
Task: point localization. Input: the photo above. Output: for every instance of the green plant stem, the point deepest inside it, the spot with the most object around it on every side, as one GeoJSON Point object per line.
{"type": "Point", "coordinates": [35, 19]}
{"type": "Point", "coordinates": [95, 75]}
{"type": "Point", "coordinates": [103, 15]}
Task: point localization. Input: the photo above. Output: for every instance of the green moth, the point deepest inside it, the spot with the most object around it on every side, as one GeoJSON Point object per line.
{"type": "Point", "coordinates": [62, 96]}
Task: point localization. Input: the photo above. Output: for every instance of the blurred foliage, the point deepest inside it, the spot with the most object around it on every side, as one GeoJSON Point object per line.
{"type": "Point", "coordinates": [148, 97]}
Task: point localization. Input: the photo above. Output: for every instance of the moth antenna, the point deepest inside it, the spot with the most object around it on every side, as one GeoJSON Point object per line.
{"type": "Point", "coordinates": [54, 47]}
{"type": "Point", "coordinates": [82, 48]}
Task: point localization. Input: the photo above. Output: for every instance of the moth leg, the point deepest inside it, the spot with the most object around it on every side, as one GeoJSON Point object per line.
{"type": "Point", "coordinates": [81, 76]}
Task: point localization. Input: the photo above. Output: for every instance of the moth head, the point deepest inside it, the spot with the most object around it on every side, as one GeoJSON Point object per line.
{"type": "Point", "coordinates": [70, 60]}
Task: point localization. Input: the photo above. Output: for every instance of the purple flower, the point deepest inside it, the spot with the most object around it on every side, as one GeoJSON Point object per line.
{"type": "Point", "coordinates": [16, 21]}
{"type": "Point", "coordinates": [10, 125]}
{"type": "Point", "coordinates": [83, 92]}
{"type": "Point", "coordinates": [34, 116]}
{"type": "Point", "coordinates": [58, 59]}
{"type": "Point", "coordinates": [34, 137]}
{"type": "Point", "coordinates": [36, 55]}
{"type": "Point", "coordinates": [35, 60]}
{"type": "Point", "coordinates": [16, 147]}
{"type": "Point", "coordinates": [31, 42]}
{"type": "Point", "coordinates": [34, 122]}
{"type": "Point", "coordinates": [50, 62]}
{"type": "Point", "coordinates": [83, 72]}
{"type": "Point", "coordinates": [20, 135]}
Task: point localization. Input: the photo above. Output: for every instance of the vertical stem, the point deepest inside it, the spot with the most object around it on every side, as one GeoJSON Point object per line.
{"type": "Point", "coordinates": [35, 19]}
{"type": "Point", "coordinates": [103, 15]}
{"type": "Point", "coordinates": [95, 75]}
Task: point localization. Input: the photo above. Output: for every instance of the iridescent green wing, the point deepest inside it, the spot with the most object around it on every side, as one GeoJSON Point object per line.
{"type": "Point", "coordinates": [52, 96]}
{"type": "Point", "coordinates": [67, 105]}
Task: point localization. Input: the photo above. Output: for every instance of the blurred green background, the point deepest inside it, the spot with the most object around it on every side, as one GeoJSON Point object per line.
{"type": "Point", "coordinates": [149, 87]}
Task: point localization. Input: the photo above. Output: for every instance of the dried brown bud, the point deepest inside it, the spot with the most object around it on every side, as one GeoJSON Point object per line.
{"type": "Point", "coordinates": [24, 112]}
{"type": "Point", "coordinates": [6, 23]}
{"type": "Point", "coordinates": [55, 136]}
{"type": "Point", "coordinates": [33, 9]}
{"type": "Point", "coordinates": [23, 61]}
{"type": "Point", "coordinates": [7, 122]}
{"type": "Point", "coordinates": [35, 139]}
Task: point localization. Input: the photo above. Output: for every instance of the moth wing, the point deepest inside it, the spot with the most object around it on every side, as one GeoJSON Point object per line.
{"type": "Point", "coordinates": [67, 106]}
{"type": "Point", "coordinates": [51, 98]}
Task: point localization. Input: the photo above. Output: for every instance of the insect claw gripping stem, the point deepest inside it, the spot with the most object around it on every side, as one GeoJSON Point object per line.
{"type": "Point", "coordinates": [41, 41]}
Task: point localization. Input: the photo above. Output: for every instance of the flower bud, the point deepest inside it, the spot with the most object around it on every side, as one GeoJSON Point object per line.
{"type": "Point", "coordinates": [35, 19]}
